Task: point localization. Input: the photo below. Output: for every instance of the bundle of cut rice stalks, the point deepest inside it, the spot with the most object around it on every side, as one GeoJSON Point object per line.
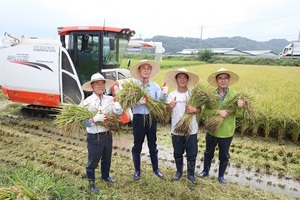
{"type": "Point", "coordinates": [201, 95]}
{"type": "Point", "coordinates": [213, 123]}
{"type": "Point", "coordinates": [70, 119]}
{"type": "Point", "coordinates": [157, 110]}
{"type": "Point", "coordinates": [131, 93]}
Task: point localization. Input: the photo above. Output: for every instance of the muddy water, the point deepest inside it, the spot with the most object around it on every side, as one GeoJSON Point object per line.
{"type": "Point", "coordinates": [241, 176]}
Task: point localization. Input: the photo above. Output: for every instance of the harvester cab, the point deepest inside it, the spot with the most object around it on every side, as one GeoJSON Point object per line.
{"type": "Point", "coordinates": [44, 73]}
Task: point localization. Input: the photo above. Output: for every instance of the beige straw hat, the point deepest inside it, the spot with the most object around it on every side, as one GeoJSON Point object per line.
{"type": "Point", "coordinates": [233, 77]}
{"type": "Point", "coordinates": [171, 80]}
{"type": "Point", "coordinates": [96, 77]}
{"type": "Point", "coordinates": [135, 73]}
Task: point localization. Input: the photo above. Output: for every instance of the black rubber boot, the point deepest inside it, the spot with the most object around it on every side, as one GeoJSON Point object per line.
{"type": "Point", "coordinates": [93, 188]}
{"type": "Point", "coordinates": [154, 161]}
{"type": "Point", "coordinates": [179, 167]}
{"type": "Point", "coordinates": [137, 166]}
{"type": "Point", "coordinates": [222, 168]}
{"type": "Point", "coordinates": [206, 168]}
{"type": "Point", "coordinates": [105, 168]}
{"type": "Point", "coordinates": [191, 171]}
{"type": "Point", "coordinates": [90, 173]}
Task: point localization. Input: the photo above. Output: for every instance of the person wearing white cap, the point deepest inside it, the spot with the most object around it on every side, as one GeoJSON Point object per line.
{"type": "Point", "coordinates": [183, 81]}
{"type": "Point", "coordinates": [99, 138]}
{"type": "Point", "coordinates": [223, 136]}
{"type": "Point", "coordinates": [142, 126]}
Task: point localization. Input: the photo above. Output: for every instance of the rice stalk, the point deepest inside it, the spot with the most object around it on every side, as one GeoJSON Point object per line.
{"type": "Point", "coordinates": [244, 125]}
{"type": "Point", "coordinates": [70, 117]}
{"type": "Point", "coordinates": [157, 110]}
{"type": "Point", "coordinates": [204, 95]}
{"type": "Point", "coordinates": [214, 122]}
{"type": "Point", "coordinates": [184, 125]}
{"type": "Point", "coordinates": [131, 93]}
{"type": "Point", "coordinates": [295, 123]}
{"type": "Point", "coordinates": [201, 95]}
{"type": "Point", "coordinates": [12, 193]}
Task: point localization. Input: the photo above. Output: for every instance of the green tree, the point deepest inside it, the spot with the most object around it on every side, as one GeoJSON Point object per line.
{"type": "Point", "coordinates": [205, 55]}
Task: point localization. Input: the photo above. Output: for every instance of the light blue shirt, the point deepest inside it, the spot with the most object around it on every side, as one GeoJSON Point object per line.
{"type": "Point", "coordinates": [154, 91]}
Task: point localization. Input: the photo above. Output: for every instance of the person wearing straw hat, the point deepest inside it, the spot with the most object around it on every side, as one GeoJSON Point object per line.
{"type": "Point", "coordinates": [143, 125]}
{"type": "Point", "coordinates": [223, 136]}
{"type": "Point", "coordinates": [183, 81]}
{"type": "Point", "coordinates": [99, 138]}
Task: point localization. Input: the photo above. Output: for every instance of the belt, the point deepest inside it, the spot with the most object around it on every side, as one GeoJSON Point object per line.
{"type": "Point", "coordinates": [100, 133]}
{"type": "Point", "coordinates": [141, 115]}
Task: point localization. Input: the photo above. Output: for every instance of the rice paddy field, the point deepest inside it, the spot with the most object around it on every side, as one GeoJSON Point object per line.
{"type": "Point", "coordinates": [37, 161]}
{"type": "Point", "coordinates": [275, 97]}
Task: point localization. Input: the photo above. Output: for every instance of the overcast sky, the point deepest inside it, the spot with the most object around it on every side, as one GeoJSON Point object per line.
{"type": "Point", "coordinates": [259, 20]}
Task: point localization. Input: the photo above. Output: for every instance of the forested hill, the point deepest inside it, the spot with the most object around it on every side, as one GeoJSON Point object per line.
{"type": "Point", "coordinates": [175, 44]}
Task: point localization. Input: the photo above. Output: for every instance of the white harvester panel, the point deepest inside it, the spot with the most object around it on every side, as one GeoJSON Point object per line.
{"type": "Point", "coordinates": [31, 71]}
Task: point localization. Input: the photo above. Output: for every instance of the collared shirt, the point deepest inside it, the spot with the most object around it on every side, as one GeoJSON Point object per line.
{"type": "Point", "coordinates": [94, 103]}
{"type": "Point", "coordinates": [154, 91]}
{"type": "Point", "coordinates": [222, 96]}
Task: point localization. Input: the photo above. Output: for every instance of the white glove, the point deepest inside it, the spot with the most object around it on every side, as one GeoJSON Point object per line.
{"type": "Point", "coordinates": [165, 90]}
{"type": "Point", "coordinates": [117, 105]}
{"type": "Point", "coordinates": [143, 100]}
{"type": "Point", "coordinates": [99, 117]}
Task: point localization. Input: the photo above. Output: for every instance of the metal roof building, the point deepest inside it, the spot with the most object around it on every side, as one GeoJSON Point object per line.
{"type": "Point", "coordinates": [230, 52]}
{"type": "Point", "coordinates": [263, 53]}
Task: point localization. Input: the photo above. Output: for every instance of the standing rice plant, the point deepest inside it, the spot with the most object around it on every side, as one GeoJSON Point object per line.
{"type": "Point", "coordinates": [201, 95]}
{"type": "Point", "coordinates": [244, 125]}
{"type": "Point", "coordinates": [256, 124]}
{"type": "Point", "coordinates": [294, 125]}
{"type": "Point", "coordinates": [268, 120]}
{"type": "Point", "coordinates": [281, 121]}
{"type": "Point", "coordinates": [268, 125]}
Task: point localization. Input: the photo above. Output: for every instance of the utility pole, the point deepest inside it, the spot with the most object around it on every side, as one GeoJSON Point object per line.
{"type": "Point", "coordinates": [201, 38]}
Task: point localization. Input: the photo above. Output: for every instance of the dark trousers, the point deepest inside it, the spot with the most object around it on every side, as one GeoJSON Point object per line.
{"type": "Point", "coordinates": [142, 126]}
{"type": "Point", "coordinates": [223, 144]}
{"type": "Point", "coordinates": [99, 147]}
{"type": "Point", "coordinates": [185, 143]}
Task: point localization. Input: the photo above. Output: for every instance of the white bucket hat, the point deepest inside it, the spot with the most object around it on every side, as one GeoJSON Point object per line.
{"type": "Point", "coordinates": [134, 71]}
{"type": "Point", "coordinates": [170, 77]}
{"type": "Point", "coordinates": [233, 77]}
{"type": "Point", "coordinates": [97, 77]}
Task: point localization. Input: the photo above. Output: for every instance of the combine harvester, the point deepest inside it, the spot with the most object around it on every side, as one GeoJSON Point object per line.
{"type": "Point", "coordinates": [291, 51]}
{"type": "Point", "coordinates": [44, 73]}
